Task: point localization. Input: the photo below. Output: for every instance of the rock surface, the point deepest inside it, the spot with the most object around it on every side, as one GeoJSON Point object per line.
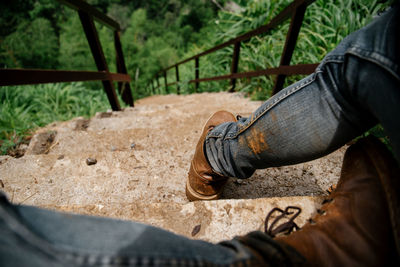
{"type": "Point", "coordinates": [143, 155]}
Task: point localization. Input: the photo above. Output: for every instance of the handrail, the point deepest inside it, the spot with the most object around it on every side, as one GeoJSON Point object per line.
{"type": "Point", "coordinates": [295, 11]}
{"type": "Point", "coordinates": [281, 17]}
{"type": "Point", "coordinates": [86, 14]}
{"type": "Point", "coordinates": [35, 76]}
{"type": "Point", "coordinates": [79, 5]}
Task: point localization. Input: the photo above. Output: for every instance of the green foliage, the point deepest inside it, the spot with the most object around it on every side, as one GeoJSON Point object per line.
{"type": "Point", "coordinates": [147, 49]}
{"type": "Point", "coordinates": [29, 34]}
{"type": "Point", "coordinates": [33, 45]}
{"type": "Point", "coordinates": [380, 133]}
{"type": "Point", "coordinates": [107, 43]}
{"type": "Point", "coordinates": [12, 14]}
{"type": "Point", "coordinates": [74, 48]}
{"type": "Point", "coordinates": [24, 108]}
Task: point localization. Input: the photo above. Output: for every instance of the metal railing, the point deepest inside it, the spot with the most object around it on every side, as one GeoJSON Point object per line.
{"type": "Point", "coordinates": [295, 11]}
{"type": "Point", "coordinates": [87, 14]}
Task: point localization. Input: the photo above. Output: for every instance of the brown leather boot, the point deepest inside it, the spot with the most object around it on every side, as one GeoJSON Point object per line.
{"type": "Point", "coordinates": [203, 183]}
{"type": "Point", "coordinates": [359, 224]}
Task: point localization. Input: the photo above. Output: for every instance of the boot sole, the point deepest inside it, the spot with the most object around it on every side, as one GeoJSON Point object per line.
{"type": "Point", "coordinates": [192, 195]}
{"type": "Point", "coordinates": [387, 166]}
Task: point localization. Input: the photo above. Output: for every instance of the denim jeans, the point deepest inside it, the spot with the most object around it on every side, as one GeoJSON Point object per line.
{"type": "Point", "coordinates": [30, 236]}
{"type": "Point", "coordinates": [355, 87]}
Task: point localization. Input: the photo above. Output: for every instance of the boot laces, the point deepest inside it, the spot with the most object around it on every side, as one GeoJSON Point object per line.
{"type": "Point", "coordinates": [285, 227]}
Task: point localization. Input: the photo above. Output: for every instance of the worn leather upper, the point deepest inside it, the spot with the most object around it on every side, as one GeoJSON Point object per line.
{"type": "Point", "coordinates": [202, 179]}
{"type": "Point", "coordinates": [353, 228]}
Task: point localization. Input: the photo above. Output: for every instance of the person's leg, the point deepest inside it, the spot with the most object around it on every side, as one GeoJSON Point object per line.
{"type": "Point", "coordinates": [355, 87]}
{"type": "Point", "coordinates": [359, 223]}
{"type": "Point", "coordinates": [35, 237]}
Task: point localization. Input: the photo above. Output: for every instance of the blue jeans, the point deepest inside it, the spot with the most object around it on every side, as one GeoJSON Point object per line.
{"type": "Point", "coordinates": [355, 87]}
{"type": "Point", "coordinates": [31, 236]}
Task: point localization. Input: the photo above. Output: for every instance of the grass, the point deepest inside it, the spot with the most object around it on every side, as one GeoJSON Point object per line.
{"type": "Point", "coordinates": [24, 108]}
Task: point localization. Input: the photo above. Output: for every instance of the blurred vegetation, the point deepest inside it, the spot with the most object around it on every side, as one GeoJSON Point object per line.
{"type": "Point", "coordinates": [155, 34]}
{"type": "Point", "coordinates": [23, 108]}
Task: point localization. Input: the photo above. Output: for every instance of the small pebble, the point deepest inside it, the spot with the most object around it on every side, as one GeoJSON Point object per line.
{"type": "Point", "coordinates": [91, 161]}
{"type": "Point", "coordinates": [113, 148]}
{"type": "Point", "coordinates": [239, 182]}
{"type": "Point", "coordinates": [61, 157]}
{"type": "Point", "coordinates": [133, 145]}
{"type": "Point", "coordinates": [196, 229]}
{"type": "Point", "coordinates": [23, 146]}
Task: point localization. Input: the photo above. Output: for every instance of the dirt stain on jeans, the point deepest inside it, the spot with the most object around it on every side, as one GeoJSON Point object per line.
{"type": "Point", "coordinates": [256, 141]}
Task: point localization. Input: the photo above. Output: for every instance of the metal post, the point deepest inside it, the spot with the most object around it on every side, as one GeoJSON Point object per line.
{"type": "Point", "coordinates": [197, 71]}
{"type": "Point", "coordinates": [178, 89]}
{"type": "Point", "coordinates": [124, 88]}
{"type": "Point", "coordinates": [291, 38]}
{"type": "Point", "coordinates": [234, 66]}
{"type": "Point", "coordinates": [166, 82]}
{"type": "Point", "coordinates": [97, 52]}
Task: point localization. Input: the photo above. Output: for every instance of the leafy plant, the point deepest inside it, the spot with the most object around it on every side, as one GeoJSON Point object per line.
{"type": "Point", "coordinates": [33, 44]}
{"type": "Point", "coordinates": [24, 108]}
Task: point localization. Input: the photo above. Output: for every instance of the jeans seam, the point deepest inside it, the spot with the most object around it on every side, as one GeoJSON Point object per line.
{"type": "Point", "coordinates": [114, 261]}
{"type": "Point", "coordinates": [376, 58]}
{"type": "Point", "coordinates": [331, 59]}
{"type": "Point", "coordinates": [274, 103]}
